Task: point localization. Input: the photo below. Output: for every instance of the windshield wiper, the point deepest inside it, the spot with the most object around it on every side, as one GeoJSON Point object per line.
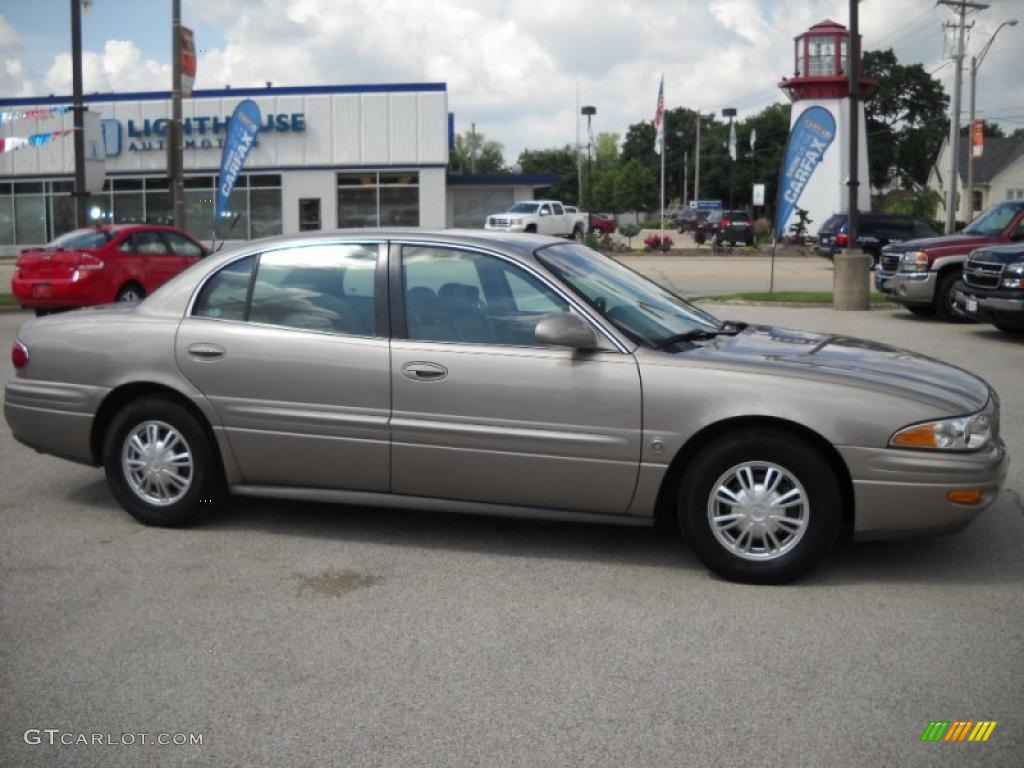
{"type": "Point", "coordinates": [728, 328]}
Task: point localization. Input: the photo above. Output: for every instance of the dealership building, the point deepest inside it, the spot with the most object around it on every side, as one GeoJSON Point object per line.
{"type": "Point", "coordinates": [326, 157]}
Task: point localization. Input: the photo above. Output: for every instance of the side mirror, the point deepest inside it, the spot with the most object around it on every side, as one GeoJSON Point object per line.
{"type": "Point", "coordinates": [565, 330]}
{"type": "Point", "coordinates": [545, 213]}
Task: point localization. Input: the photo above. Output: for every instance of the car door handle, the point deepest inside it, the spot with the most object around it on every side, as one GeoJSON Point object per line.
{"type": "Point", "coordinates": [206, 351]}
{"type": "Point", "coordinates": [424, 371]}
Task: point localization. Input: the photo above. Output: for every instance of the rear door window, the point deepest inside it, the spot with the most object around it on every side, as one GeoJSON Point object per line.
{"type": "Point", "coordinates": [224, 295]}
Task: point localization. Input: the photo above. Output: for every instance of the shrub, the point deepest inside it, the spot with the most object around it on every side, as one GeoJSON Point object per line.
{"type": "Point", "coordinates": [658, 242]}
{"type": "Point", "coordinates": [654, 223]}
{"type": "Point", "coordinates": [763, 229]}
{"type": "Point", "coordinates": [592, 241]}
{"type": "Point", "coordinates": [629, 231]}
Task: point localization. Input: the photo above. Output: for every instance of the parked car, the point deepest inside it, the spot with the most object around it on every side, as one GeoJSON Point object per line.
{"type": "Point", "coordinates": [502, 374]}
{"type": "Point", "coordinates": [874, 232]}
{"type": "Point", "coordinates": [543, 217]}
{"type": "Point", "coordinates": [602, 223]}
{"type": "Point", "coordinates": [992, 287]}
{"type": "Point", "coordinates": [690, 218]}
{"type": "Point", "coordinates": [100, 265]}
{"type": "Point", "coordinates": [920, 274]}
{"type": "Point", "coordinates": [722, 227]}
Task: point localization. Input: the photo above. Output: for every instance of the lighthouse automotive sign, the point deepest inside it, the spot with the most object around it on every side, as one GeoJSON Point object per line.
{"type": "Point", "coordinates": [810, 138]}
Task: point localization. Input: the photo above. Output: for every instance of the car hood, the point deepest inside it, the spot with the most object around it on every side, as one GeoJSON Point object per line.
{"type": "Point", "coordinates": [850, 361]}
{"type": "Point", "coordinates": [961, 242]}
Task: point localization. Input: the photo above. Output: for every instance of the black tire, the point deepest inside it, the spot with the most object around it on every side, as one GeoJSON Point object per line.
{"type": "Point", "coordinates": [131, 292]}
{"type": "Point", "coordinates": [943, 302]}
{"type": "Point", "coordinates": [596, 231]}
{"type": "Point", "coordinates": [42, 312]}
{"type": "Point", "coordinates": [1013, 330]}
{"type": "Point", "coordinates": [921, 310]}
{"type": "Point", "coordinates": [577, 234]}
{"type": "Point", "coordinates": [531, 228]}
{"type": "Point", "coordinates": [205, 487]}
{"type": "Point", "coordinates": [799, 458]}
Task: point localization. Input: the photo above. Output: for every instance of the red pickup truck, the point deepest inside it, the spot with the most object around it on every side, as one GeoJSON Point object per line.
{"type": "Point", "coordinates": [920, 274]}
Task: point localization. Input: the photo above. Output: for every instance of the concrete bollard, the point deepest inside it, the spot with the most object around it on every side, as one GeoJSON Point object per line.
{"type": "Point", "coordinates": [850, 286]}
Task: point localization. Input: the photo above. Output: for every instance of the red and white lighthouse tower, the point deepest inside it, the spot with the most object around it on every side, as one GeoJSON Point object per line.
{"type": "Point", "coordinates": [820, 78]}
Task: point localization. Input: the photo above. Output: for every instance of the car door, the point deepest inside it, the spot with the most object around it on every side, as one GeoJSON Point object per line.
{"type": "Point", "coordinates": [482, 412]}
{"type": "Point", "coordinates": [547, 224]}
{"type": "Point", "coordinates": [185, 250]}
{"type": "Point", "coordinates": [561, 220]}
{"type": "Point", "coordinates": [291, 351]}
{"type": "Point", "coordinates": [159, 264]}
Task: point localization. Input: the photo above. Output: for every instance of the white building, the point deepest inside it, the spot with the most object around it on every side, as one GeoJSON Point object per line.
{"type": "Point", "coordinates": [327, 157]}
{"type": "Point", "coordinates": [998, 176]}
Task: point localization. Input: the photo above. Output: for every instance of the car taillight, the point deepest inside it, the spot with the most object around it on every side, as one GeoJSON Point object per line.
{"type": "Point", "coordinates": [19, 355]}
{"type": "Point", "coordinates": [725, 222]}
{"type": "Point", "coordinates": [842, 239]}
{"type": "Point", "coordinates": [88, 261]}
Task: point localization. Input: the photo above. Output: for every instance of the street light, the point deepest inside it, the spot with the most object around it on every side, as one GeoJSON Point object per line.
{"type": "Point", "coordinates": [589, 112]}
{"type": "Point", "coordinates": [975, 63]}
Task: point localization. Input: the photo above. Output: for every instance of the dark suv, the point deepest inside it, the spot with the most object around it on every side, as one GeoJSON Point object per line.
{"type": "Point", "coordinates": [874, 232]}
{"type": "Point", "coordinates": [722, 227]}
{"type": "Point", "coordinates": [690, 219]}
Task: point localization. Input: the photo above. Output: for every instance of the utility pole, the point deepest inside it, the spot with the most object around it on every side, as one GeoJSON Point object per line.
{"type": "Point", "coordinates": [472, 148]}
{"type": "Point", "coordinates": [175, 166]}
{"type": "Point", "coordinates": [686, 175]}
{"type": "Point", "coordinates": [975, 63]}
{"type": "Point", "coordinates": [961, 26]}
{"type": "Point", "coordinates": [80, 194]}
{"type": "Point", "coordinates": [589, 112]}
{"type": "Point", "coordinates": [696, 165]}
{"type": "Point", "coordinates": [853, 88]}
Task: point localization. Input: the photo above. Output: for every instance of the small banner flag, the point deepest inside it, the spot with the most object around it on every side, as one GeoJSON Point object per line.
{"type": "Point", "coordinates": [978, 138]}
{"type": "Point", "coordinates": [32, 114]}
{"type": "Point", "coordinates": [188, 61]}
{"type": "Point", "coordinates": [11, 143]}
{"type": "Point", "coordinates": [753, 138]}
{"type": "Point", "coordinates": [732, 141]}
{"type": "Point", "coordinates": [811, 136]}
{"type": "Point", "coordinates": [242, 129]}
{"type": "Point", "coordinates": [659, 119]}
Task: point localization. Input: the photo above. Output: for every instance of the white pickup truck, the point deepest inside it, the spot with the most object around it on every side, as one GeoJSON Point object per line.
{"type": "Point", "coordinates": [545, 217]}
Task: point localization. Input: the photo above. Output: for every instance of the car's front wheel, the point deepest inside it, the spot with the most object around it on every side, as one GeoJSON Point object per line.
{"type": "Point", "coordinates": [131, 292]}
{"type": "Point", "coordinates": [159, 463]}
{"type": "Point", "coordinates": [760, 506]}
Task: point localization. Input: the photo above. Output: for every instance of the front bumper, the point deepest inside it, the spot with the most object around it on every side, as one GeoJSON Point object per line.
{"type": "Point", "coordinates": [900, 492]}
{"type": "Point", "coordinates": [509, 228]}
{"type": "Point", "coordinates": [989, 306]}
{"type": "Point", "coordinates": [907, 287]}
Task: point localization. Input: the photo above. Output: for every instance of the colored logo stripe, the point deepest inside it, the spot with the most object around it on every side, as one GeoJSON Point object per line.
{"type": "Point", "coordinates": [958, 730]}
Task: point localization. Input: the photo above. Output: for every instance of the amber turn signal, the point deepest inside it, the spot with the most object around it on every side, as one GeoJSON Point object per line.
{"type": "Point", "coordinates": [916, 437]}
{"type": "Point", "coordinates": [965, 496]}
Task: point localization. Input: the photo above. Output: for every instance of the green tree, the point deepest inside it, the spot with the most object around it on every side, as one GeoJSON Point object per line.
{"type": "Point", "coordinates": [1018, 133]}
{"type": "Point", "coordinates": [557, 160]}
{"type": "Point", "coordinates": [473, 153]}
{"type": "Point", "coordinates": [635, 187]}
{"type": "Point", "coordinates": [906, 118]}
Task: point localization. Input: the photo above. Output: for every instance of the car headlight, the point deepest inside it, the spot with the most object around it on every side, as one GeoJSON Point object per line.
{"type": "Point", "coordinates": [515, 222]}
{"type": "Point", "coordinates": [914, 261]}
{"type": "Point", "coordinates": [1013, 275]}
{"type": "Point", "coordinates": [963, 433]}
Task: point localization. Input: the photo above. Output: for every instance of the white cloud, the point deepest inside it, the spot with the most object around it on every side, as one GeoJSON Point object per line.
{"type": "Point", "coordinates": [119, 67]}
{"type": "Point", "coordinates": [14, 78]}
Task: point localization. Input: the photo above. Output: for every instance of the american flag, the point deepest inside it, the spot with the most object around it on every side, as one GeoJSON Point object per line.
{"type": "Point", "coordinates": [659, 118]}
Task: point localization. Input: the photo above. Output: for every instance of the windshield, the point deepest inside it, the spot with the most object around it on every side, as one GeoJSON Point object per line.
{"type": "Point", "coordinates": [641, 309]}
{"type": "Point", "coordinates": [81, 238]}
{"type": "Point", "coordinates": [993, 221]}
{"type": "Point", "coordinates": [523, 208]}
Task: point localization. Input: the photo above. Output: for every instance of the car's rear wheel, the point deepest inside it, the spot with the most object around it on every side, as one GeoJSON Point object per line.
{"type": "Point", "coordinates": [160, 464]}
{"type": "Point", "coordinates": [921, 310]}
{"type": "Point", "coordinates": [760, 506]}
{"type": "Point", "coordinates": [130, 292]}
{"type": "Point", "coordinates": [577, 234]}
{"type": "Point", "coordinates": [1013, 330]}
{"type": "Point", "coordinates": [42, 312]}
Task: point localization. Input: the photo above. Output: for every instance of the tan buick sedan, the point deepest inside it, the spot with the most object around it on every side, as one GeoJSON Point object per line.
{"type": "Point", "coordinates": [503, 374]}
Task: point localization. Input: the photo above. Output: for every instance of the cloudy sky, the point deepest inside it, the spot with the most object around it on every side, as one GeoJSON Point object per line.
{"type": "Point", "coordinates": [511, 67]}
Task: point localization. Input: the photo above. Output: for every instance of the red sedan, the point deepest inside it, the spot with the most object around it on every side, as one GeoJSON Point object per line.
{"type": "Point", "coordinates": [100, 265]}
{"type": "Point", "coordinates": [602, 223]}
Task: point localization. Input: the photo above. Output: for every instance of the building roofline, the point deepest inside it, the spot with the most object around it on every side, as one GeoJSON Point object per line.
{"type": "Point", "coordinates": [215, 93]}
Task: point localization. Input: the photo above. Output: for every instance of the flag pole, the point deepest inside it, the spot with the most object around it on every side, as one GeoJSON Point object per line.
{"type": "Point", "coordinates": [663, 158]}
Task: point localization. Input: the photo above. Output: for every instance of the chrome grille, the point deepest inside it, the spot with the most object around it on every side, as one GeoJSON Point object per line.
{"type": "Point", "coordinates": [890, 262]}
{"type": "Point", "coordinates": [982, 274]}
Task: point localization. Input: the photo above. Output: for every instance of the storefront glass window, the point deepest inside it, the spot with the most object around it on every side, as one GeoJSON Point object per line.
{"type": "Point", "coordinates": [378, 199]}
{"type": "Point", "coordinates": [30, 217]}
{"type": "Point", "coordinates": [265, 212]}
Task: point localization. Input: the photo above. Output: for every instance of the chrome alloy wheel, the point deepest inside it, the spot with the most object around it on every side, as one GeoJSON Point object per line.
{"type": "Point", "coordinates": [758, 510]}
{"type": "Point", "coordinates": [129, 295]}
{"type": "Point", "coordinates": [157, 463]}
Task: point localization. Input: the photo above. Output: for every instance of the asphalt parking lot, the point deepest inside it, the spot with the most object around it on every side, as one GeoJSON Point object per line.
{"type": "Point", "coordinates": [291, 634]}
